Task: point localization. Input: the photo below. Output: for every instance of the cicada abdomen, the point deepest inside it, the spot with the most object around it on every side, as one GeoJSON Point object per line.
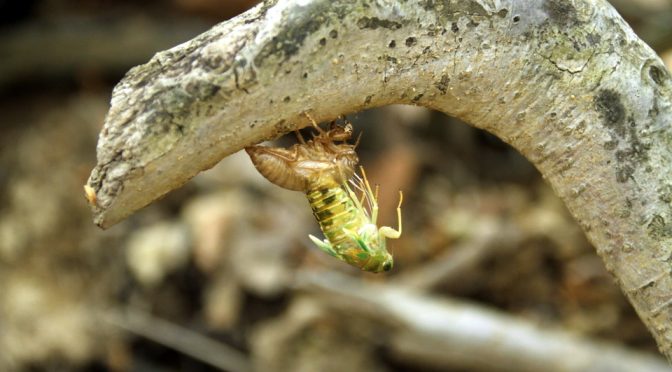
{"type": "Point", "coordinates": [323, 169]}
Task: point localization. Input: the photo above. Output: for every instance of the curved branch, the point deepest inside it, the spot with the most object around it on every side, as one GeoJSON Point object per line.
{"type": "Point", "coordinates": [565, 82]}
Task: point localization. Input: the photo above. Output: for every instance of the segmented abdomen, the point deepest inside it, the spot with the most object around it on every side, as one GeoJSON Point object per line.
{"type": "Point", "coordinates": [334, 211]}
{"type": "Point", "coordinates": [275, 168]}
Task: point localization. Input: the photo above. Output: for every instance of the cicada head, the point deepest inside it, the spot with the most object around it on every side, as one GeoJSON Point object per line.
{"type": "Point", "coordinates": [382, 261]}
{"type": "Point", "coordinates": [339, 133]}
{"type": "Point", "coordinates": [373, 255]}
{"type": "Point", "coordinates": [385, 263]}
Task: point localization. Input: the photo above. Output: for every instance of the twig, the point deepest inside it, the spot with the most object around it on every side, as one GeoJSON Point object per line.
{"type": "Point", "coordinates": [187, 342]}
{"type": "Point", "coordinates": [448, 268]}
{"type": "Point", "coordinates": [450, 333]}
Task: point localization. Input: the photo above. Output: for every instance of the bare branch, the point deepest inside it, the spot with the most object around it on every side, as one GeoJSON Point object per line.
{"type": "Point", "coordinates": [184, 340]}
{"type": "Point", "coordinates": [450, 334]}
{"type": "Point", "coordinates": [451, 266]}
{"type": "Point", "coordinates": [566, 82]}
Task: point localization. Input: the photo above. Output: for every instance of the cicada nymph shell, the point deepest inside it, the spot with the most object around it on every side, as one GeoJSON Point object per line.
{"type": "Point", "coordinates": [324, 169]}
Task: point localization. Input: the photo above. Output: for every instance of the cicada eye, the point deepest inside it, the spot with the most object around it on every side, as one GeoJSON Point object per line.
{"type": "Point", "coordinates": [387, 266]}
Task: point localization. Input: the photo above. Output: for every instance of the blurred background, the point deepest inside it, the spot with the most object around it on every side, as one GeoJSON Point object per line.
{"type": "Point", "coordinates": [220, 274]}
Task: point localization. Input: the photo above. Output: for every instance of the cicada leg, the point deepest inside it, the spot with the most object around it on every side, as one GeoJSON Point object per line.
{"type": "Point", "coordinates": [324, 245]}
{"type": "Point", "coordinates": [389, 232]}
{"type": "Point", "coordinates": [359, 137]}
{"type": "Point", "coordinates": [319, 130]}
{"type": "Point", "coordinates": [300, 137]}
{"type": "Point", "coordinates": [371, 196]}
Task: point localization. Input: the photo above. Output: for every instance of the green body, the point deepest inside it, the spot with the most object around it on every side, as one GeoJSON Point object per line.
{"type": "Point", "coordinates": [323, 170]}
{"type": "Point", "coordinates": [350, 234]}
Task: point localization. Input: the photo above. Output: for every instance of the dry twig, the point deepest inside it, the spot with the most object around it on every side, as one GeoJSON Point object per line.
{"type": "Point", "coordinates": [452, 265]}
{"type": "Point", "coordinates": [181, 339]}
{"type": "Point", "coordinates": [449, 333]}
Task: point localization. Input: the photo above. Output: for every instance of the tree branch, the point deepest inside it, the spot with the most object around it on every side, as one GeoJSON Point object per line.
{"type": "Point", "coordinates": [184, 340]}
{"type": "Point", "coordinates": [565, 82]}
{"type": "Point", "coordinates": [447, 333]}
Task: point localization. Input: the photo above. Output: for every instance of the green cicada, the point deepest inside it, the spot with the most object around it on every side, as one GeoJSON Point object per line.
{"type": "Point", "coordinates": [325, 171]}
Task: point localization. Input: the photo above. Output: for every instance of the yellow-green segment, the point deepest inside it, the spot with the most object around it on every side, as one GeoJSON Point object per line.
{"type": "Point", "coordinates": [350, 234]}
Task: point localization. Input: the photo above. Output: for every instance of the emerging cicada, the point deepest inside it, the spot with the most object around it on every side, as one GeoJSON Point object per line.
{"type": "Point", "coordinates": [325, 170]}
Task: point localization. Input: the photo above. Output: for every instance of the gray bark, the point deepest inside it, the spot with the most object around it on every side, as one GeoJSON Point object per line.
{"type": "Point", "coordinates": [566, 82]}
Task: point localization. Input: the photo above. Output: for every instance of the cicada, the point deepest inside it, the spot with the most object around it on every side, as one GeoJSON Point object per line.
{"type": "Point", "coordinates": [324, 169]}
